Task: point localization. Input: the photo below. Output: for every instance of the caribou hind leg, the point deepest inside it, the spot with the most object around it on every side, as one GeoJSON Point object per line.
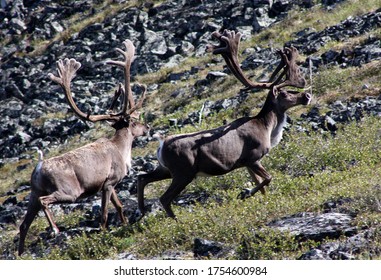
{"type": "Point", "coordinates": [33, 207]}
{"type": "Point", "coordinates": [178, 184]}
{"type": "Point", "coordinates": [59, 196]}
{"type": "Point", "coordinates": [160, 173]}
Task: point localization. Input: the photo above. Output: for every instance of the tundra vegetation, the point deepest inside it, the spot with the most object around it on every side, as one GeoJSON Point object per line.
{"type": "Point", "coordinates": [309, 167]}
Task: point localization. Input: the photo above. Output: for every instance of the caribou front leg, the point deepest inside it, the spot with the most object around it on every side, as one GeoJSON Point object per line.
{"type": "Point", "coordinates": [257, 172]}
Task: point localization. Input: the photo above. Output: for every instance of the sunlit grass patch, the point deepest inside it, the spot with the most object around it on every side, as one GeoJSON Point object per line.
{"type": "Point", "coordinates": [333, 83]}
{"type": "Point", "coordinates": [318, 17]}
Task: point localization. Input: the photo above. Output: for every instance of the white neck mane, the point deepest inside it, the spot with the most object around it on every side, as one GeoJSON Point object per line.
{"type": "Point", "coordinates": [277, 133]}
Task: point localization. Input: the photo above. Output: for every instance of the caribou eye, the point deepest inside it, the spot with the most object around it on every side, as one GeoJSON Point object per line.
{"type": "Point", "coordinates": [283, 93]}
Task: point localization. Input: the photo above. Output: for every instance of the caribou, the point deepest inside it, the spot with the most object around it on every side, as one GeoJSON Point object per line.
{"type": "Point", "coordinates": [95, 167]}
{"type": "Point", "coordinates": [241, 143]}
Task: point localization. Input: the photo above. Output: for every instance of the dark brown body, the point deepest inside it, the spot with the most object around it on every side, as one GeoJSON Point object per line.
{"type": "Point", "coordinates": [217, 151]}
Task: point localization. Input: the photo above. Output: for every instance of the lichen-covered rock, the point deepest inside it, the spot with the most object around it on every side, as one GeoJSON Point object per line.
{"type": "Point", "coordinates": [314, 226]}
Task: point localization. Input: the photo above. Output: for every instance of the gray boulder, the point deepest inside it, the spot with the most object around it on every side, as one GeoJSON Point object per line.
{"type": "Point", "coordinates": [314, 226]}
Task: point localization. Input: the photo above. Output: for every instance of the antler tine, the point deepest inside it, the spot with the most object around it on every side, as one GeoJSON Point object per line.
{"type": "Point", "coordinates": [230, 55]}
{"type": "Point", "coordinates": [228, 48]}
{"type": "Point", "coordinates": [66, 72]}
{"type": "Point", "coordinates": [280, 66]}
{"type": "Point", "coordinates": [67, 69]}
{"type": "Point", "coordinates": [126, 65]}
{"type": "Point", "coordinates": [291, 70]}
{"type": "Point", "coordinates": [221, 48]}
{"type": "Point", "coordinates": [118, 92]}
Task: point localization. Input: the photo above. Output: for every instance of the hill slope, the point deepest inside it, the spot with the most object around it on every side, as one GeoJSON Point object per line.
{"type": "Point", "coordinates": [324, 200]}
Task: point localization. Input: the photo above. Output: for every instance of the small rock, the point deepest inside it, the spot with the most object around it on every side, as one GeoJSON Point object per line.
{"type": "Point", "coordinates": [206, 248]}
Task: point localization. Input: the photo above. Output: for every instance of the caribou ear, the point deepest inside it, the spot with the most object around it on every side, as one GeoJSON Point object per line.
{"type": "Point", "coordinates": [274, 92]}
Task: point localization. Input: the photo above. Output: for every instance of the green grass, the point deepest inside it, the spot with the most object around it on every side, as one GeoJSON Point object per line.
{"type": "Point", "coordinates": [332, 83]}
{"type": "Point", "coordinates": [94, 246]}
{"type": "Point", "coordinates": [317, 17]}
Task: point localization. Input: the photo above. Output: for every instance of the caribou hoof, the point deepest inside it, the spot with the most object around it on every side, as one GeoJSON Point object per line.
{"type": "Point", "coordinates": [53, 232]}
{"type": "Point", "coordinates": [136, 217]}
{"type": "Point", "coordinates": [245, 193]}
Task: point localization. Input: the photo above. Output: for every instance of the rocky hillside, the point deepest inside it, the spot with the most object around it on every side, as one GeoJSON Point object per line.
{"type": "Point", "coordinates": [171, 39]}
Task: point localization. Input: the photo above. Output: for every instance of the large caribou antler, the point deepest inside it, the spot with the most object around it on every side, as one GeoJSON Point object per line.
{"type": "Point", "coordinates": [290, 69]}
{"type": "Point", "coordinates": [228, 48]}
{"type": "Point", "coordinates": [126, 65]}
{"type": "Point", "coordinates": [67, 69]}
